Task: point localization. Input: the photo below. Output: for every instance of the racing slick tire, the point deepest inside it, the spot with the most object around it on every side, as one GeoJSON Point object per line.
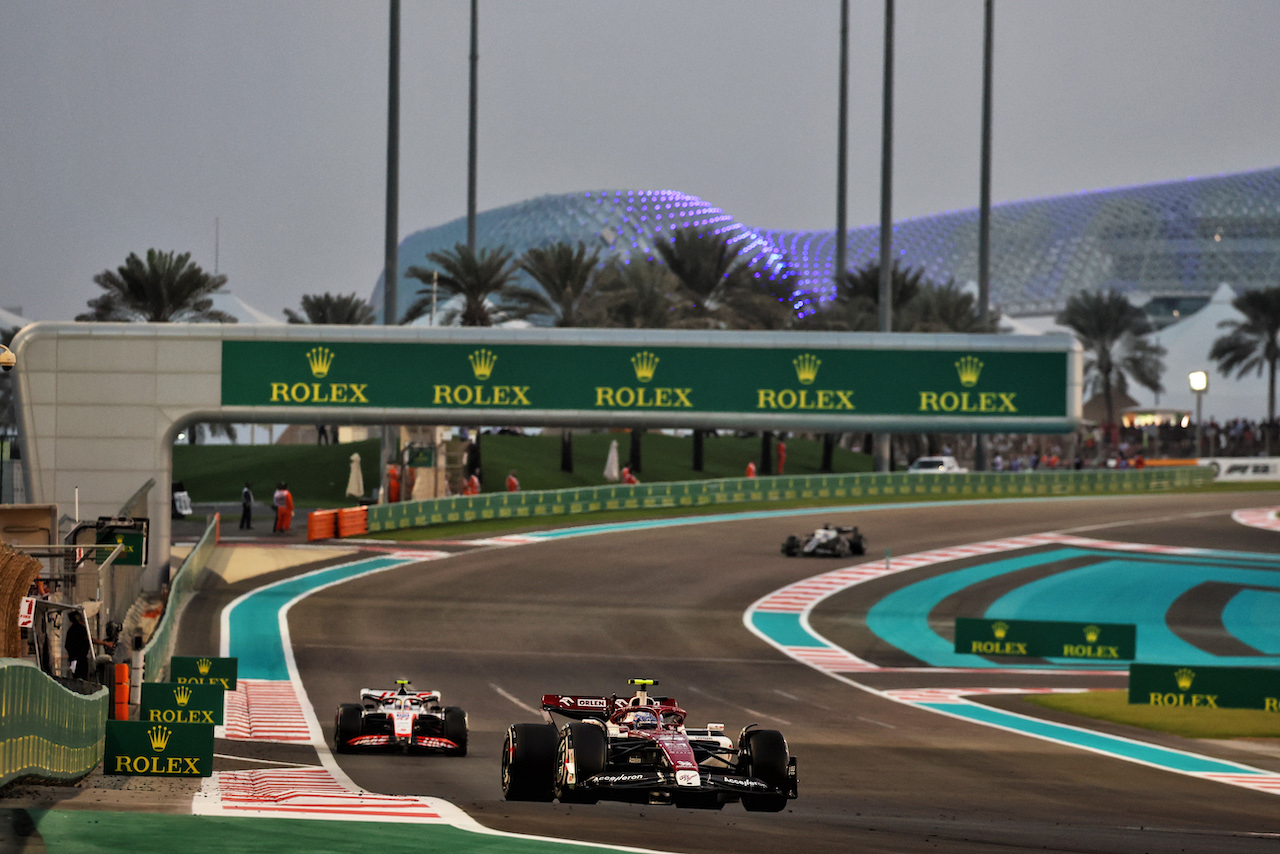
{"type": "Point", "coordinates": [791, 546]}
{"type": "Point", "coordinates": [529, 762]}
{"type": "Point", "coordinates": [590, 747]}
{"type": "Point", "coordinates": [768, 751]}
{"type": "Point", "coordinates": [455, 729]}
{"type": "Point", "coordinates": [348, 725]}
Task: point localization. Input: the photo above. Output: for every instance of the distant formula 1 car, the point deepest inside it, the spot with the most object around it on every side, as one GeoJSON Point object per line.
{"type": "Point", "coordinates": [400, 719]}
{"type": "Point", "coordinates": [638, 750]}
{"type": "Point", "coordinates": [827, 541]}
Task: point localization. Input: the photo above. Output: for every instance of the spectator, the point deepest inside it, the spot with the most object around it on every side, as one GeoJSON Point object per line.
{"type": "Point", "coordinates": [283, 502]}
{"type": "Point", "coordinates": [246, 508]}
{"type": "Point", "coordinates": [79, 646]}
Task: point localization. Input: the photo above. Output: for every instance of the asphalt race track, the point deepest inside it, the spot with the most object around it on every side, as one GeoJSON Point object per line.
{"type": "Point", "coordinates": [495, 627]}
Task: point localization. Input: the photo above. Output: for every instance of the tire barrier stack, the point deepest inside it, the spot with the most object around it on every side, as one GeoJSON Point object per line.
{"type": "Point", "coordinates": [17, 572]}
{"type": "Point", "coordinates": [765, 490]}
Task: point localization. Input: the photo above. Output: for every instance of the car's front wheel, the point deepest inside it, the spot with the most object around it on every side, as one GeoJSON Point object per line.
{"type": "Point", "coordinates": [455, 728]}
{"type": "Point", "coordinates": [529, 762]}
{"type": "Point", "coordinates": [347, 726]}
{"type": "Point", "coordinates": [769, 758]}
{"type": "Point", "coordinates": [587, 747]}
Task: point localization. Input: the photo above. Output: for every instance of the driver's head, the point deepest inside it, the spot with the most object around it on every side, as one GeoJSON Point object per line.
{"type": "Point", "coordinates": [642, 720]}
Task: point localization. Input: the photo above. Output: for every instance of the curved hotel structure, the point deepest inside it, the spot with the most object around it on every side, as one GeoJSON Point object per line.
{"type": "Point", "coordinates": [1168, 246]}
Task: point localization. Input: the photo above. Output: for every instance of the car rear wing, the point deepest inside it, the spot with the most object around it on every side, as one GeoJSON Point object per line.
{"type": "Point", "coordinates": [577, 707]}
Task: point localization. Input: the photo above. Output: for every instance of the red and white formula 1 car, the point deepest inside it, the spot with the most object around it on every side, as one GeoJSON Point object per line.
{"type": "Point", "coordinates": [402, 719]}
{"type": "Point", "coordinates": [639, 750]}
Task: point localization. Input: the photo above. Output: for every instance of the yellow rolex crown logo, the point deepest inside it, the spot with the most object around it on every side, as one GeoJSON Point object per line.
{"type": "Point", "coordinates": [1000, 628]}
{"type": "Point", "coordinates": [203, 665]}
{"type": "Point", "coordinates": [969, 368]}
{"type": "Point", "coordinates": [182, 695]}
{"type": "Point", "coordinates": [159, 737]}
{"type": "Point", "coordinates": [806, 365]}
{"type": "Point", "coordinates": [1092, 633]}
{"type": "Point", "coordinates": [482, 362]}
{"type": "Point", "coordinates": [645, 364]}
{"type": "Point", "coordinates": [319, 358]}
{"type": "Point", "coordinates": [1184, 675]}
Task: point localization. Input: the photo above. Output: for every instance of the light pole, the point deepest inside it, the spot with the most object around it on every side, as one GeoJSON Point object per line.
{"type": "Point", "coordinates": [1199, 384]}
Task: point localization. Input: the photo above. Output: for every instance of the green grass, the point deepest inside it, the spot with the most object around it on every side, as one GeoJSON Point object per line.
{"type": "Point", "coordinates": [1184, 721]}
{"type": "Point", "coordinates": [663, 459]}
{"type": "Point", "coordinates": [316, 474]}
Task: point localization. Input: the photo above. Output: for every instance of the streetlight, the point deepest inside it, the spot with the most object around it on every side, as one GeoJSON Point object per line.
{"type": "Point", "coordinates": [1199, 384]}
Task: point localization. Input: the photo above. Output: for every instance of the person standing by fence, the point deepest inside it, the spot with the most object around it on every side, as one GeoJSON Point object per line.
{"type": "Point", "coordinates": [246, 508]}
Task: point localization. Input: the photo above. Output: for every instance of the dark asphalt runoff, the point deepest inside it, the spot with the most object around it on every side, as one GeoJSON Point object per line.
{"type": "Point", "coordinates": [495, 627]}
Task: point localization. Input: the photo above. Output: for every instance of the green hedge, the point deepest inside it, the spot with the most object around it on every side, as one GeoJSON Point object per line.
{"type": "Point", "coordinates": [764, 490]}
{"type": "Point", "coordinates": [46, 731]}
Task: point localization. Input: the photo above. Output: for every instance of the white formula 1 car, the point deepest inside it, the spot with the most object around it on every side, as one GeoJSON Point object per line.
{"type": "Point", "coordinates": [827, 541]}
{"type": "Point", "coordinates": [400, 719]}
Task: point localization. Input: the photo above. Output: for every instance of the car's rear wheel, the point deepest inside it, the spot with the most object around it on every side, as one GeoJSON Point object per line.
{"type": "Point", "coordinates": [767, 750]}
{"type": "Point", "coordinates": [588, 748]}
{"type": "Point", "coordinates": [347, 726]}
{"type": "Point", "coordinates": [455, 728]}
{"type": "Point", "coordinates": [791, 546]}
{"type": "Point", "coordinates": [529, 762]}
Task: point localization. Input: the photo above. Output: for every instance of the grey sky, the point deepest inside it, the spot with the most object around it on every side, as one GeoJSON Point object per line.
{"type": "Point", "coordinates": [130, 124]}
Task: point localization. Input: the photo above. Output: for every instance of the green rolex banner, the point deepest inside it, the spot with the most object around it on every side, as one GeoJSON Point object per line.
{"type": "Point", "coordinates": [182, 703]}
{"type": "Point", "coordinates": [1172, 685]}
{"type": "Point", "coordinates": [1046, 639]}
{"type": "Point", "coordinates": [203, 670]}
{"type": "Point", "coordinates": [139, 748]}
{"type": "Point", "coordinates": [989, 385]}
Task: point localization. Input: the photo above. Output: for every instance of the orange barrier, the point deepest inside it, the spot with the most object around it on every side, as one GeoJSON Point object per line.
{"type": "Point", "coordinates": [122, 692]}
{"type": "Point", "coordinates": [1173, 462]}
{"type": "Point", "coordinates": [353, 521]}
{"type": "Point", "coordinates": [322, 524]}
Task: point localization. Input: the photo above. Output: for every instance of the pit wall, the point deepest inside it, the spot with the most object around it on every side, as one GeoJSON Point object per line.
{"type": "Point", "coordinates": [182, 588]}
{"type": "Point", "coordinates": [47, 732]}
{"type": "Point", "coordinates": [764, 490]}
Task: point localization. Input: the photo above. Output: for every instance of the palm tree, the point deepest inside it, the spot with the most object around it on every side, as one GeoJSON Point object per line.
{"type": "Point", "coordinates": [476, 277]}
{"type": "Point", "coordinates": [721, 286]}
{"type": "Point", "coordinates": [165, 288]}
{"type": "Point", "coordinates": [566, 274]}
{"type": "Point", "coordinates": [1252, 343]}
{"type": "Point", "coordinates": [1113, 333]}
{"type": "Point", "coordinates": [945, 308]}
{"type": "Point", "coordinates": [918, 304]}
{"type": "Point", "coordinates": [342, 309]}
{"type": "Point", "coordinates": [637, 294]}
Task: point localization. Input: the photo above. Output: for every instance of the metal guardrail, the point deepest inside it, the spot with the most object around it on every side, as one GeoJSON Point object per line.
{"type": "Point", "coordinates": [741, 490]}
{"type": "Point", "coordinates": [159, 650]}
{"type": "Point", "coordinates": [46, 731]}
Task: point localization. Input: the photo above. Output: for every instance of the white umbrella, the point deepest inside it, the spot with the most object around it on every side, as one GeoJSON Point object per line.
{"type": "Point", "coordinates": [611, 472]}
{"type": "Point", "coordinates": [355, 483]}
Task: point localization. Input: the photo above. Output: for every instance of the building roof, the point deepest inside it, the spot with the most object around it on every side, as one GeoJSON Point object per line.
{"type": "Point", "coordinates": [1168, 239]}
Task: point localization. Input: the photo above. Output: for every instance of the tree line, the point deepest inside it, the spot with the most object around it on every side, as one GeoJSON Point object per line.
{"type": "Point", "coordinates": [698, 279]}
